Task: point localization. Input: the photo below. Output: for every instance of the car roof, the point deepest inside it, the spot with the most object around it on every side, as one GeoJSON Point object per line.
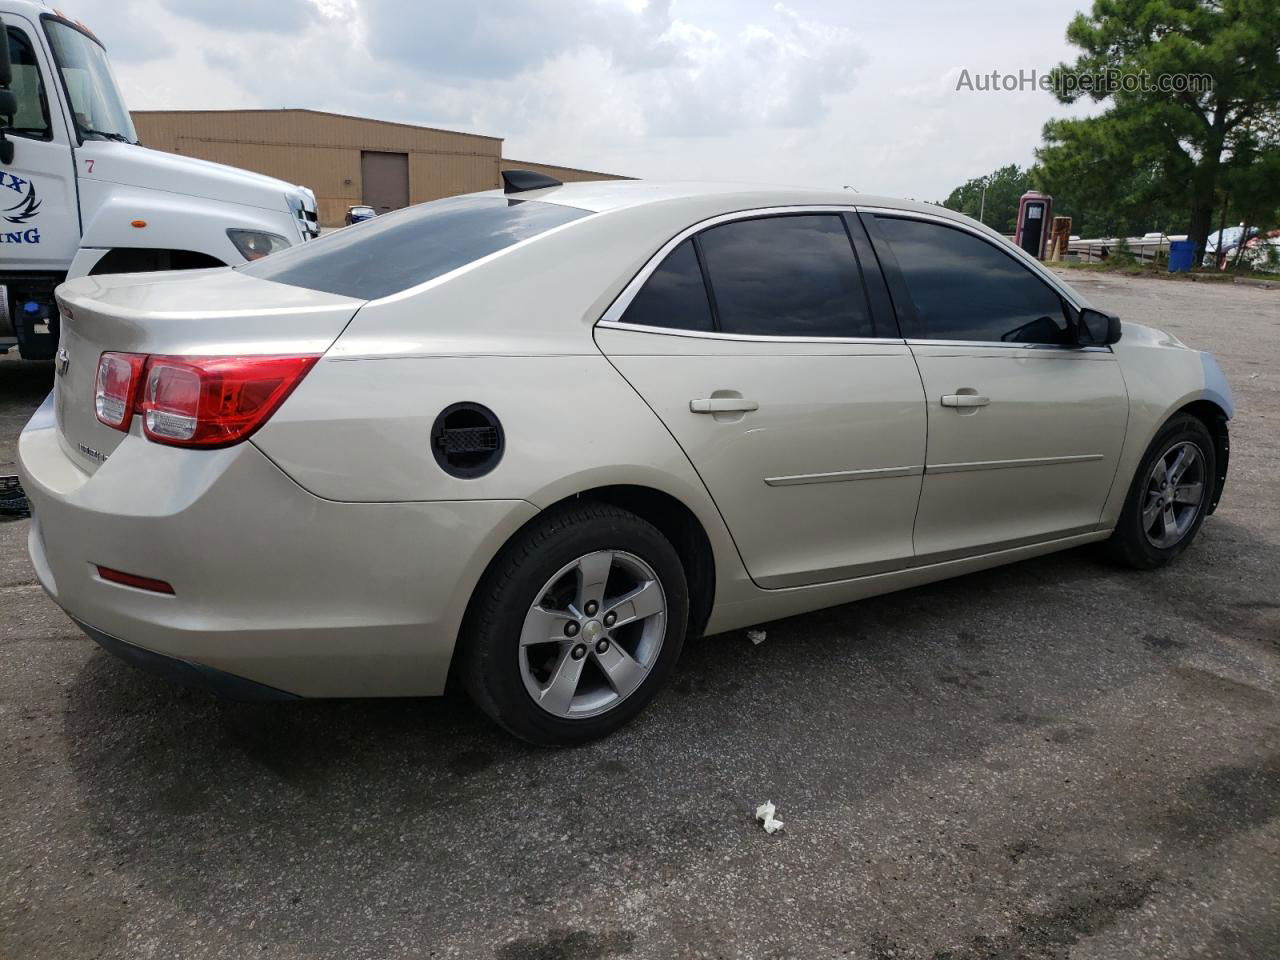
{"type": "Point", "coordinates": [600, 196]}
{"type": "Point", "coordinates": [689, 202]}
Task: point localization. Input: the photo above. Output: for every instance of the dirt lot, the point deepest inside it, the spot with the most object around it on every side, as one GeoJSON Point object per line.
{"type": "Point", "coordinates": [1047, 760]}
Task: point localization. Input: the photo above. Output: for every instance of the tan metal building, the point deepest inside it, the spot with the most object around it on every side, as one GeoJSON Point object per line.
{"type": "Point", "coordinates": [345, 160]}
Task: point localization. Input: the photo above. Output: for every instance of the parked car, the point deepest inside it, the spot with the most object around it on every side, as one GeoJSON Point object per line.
{"type": "Point", "coordinates": [1262, 252]}
{"type": "Point", "coordinates": [540, 437]}
{"type": "Point", "coordinates": [1220, 245]}
{"type": "Point", "coordinates": [359, 213]}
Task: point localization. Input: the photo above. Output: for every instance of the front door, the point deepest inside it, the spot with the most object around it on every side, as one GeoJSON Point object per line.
{"type": "Point", "coordinates": [39, 216]}
{"type": "Point", "coordinates": [755, 343]}
{"type": "Point", "coordinates": [1025, 430]}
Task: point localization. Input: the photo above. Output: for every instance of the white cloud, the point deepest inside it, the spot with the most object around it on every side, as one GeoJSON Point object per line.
{"type": "Point", "coordinates": [276, 16]}
{"type": "Point", "coordinates": [807, 92]}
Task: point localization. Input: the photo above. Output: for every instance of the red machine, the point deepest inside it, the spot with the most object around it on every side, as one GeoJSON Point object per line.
{"type": "Point", "coordinates": [1034, 212]}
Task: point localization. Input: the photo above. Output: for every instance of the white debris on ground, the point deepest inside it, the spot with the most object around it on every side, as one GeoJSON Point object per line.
{"type": "Point", "coordinates": [757, 636]}
{"type": "Point", "coordinates": [765, 814]}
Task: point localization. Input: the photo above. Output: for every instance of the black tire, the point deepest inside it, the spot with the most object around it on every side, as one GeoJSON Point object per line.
{"type": "Point", "coordinates": [1129, 543]}
{"type": "Point", "coordinates": [488, 662]}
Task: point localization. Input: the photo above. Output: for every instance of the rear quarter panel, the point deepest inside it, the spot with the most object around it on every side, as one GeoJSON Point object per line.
{"type": "Point", "coordinates": [360, 431]}
{"type": "Point", "coordinates": [515, 335]}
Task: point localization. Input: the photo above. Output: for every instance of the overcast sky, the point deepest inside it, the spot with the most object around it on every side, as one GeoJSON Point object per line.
{"type": "Point", "coordinates": [814, 92]}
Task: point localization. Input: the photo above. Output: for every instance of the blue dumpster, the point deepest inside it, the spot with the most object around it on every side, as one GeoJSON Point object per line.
{"type": "Point", "coordinates": [1182, 256]}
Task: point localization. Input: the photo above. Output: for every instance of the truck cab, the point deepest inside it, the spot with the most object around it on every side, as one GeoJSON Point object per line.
{"type": "Point", "coordinates": [79, 195]}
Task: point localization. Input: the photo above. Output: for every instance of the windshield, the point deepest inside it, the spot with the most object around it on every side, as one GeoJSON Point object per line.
{"type": "Point", "coordinates": [402, 249]}
{"type": "Point", "coordinates": [96, 105]}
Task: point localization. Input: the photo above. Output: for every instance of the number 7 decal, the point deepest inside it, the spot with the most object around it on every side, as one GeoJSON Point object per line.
{"type": "Point", "coordinates": [88, 164]}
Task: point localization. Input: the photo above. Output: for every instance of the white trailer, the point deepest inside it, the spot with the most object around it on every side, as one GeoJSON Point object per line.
{"type": "Point", "coordinates": [79, 195]}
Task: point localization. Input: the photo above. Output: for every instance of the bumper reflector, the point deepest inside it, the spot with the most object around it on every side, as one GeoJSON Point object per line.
{"type": "Point", "coordinates": [133, 580]}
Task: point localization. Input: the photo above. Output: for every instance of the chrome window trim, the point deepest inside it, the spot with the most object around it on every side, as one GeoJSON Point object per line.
{"type": "Point", "coordinates": [745, 337]}
{"type": "Point", "coordinates": [1005, 345]}
{"type": "Point", "coordinates": [612, 317]}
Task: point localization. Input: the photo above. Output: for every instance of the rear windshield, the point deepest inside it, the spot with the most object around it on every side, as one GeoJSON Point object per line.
{"type": "Point", "coordinates": [402, 249]}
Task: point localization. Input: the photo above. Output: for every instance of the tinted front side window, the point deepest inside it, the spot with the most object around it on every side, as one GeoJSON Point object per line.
{"type": "Point", "coordinates": [32, 118]}
{"type": "Point", "coordinates": [674, 295]}
{"type": "Point", "coordinates": [964, 288]}
{"type": "Point", "coordinates": [793, 276]}
{"type": "Point", "coordinates": [403, 249]}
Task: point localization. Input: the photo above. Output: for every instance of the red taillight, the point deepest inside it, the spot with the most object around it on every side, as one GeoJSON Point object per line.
{"type": "Point", "coordinates": [135, 581]}
{"type": "Point", "coordinates": [204, 401]}
{"type": "Point", "coordinates": [116, 392]}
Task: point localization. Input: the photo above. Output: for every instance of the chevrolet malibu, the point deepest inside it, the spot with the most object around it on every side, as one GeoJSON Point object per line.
{"type": "Point", "coordinates": [535, 438]}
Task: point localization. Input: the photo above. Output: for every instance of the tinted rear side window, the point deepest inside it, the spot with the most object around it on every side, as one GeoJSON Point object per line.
{"type": "Point", "coordinates": [964, 288]}
{"type": "Point", "coordinates": [791, 276]}
{"type": "Point", "coordinates": [402, 249]}
{"type": "Point", "coordinates": [674, 295]}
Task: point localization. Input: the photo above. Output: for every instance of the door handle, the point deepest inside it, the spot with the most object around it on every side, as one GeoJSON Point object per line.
{"type": "Point", "coordinates": [723, 405]}
{"type": "Point", "coordinates": [965, 400]}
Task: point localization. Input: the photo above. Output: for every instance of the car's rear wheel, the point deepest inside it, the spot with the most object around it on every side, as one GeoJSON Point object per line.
{"type": "Point", "coordinates": [576, 625]}
{"type": "Point", "coordinates": [1169, 496]}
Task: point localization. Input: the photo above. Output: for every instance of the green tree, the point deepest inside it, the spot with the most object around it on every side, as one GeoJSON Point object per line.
{"type": "Point", "coordinates": [1252, 187]}
{"type": "Point", "coordinates": [1004, 187]}
{"type": "Point", "coordinates": [1106, 206]}
{"type": "Point", "coordinates": [1152, 150]}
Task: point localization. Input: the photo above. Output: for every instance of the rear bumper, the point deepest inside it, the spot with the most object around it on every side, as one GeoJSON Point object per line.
{"type": "Point", "coordinates": [272, 585]}
{"type": "Point", "coordinates": [184, 673]}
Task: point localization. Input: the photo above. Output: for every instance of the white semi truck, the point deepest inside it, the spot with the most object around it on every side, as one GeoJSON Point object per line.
{"type": "Point", "coordinates": [79, 195]}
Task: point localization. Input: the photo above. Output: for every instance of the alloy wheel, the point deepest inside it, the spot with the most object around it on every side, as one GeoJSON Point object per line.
{"type": "Point", "coordinates": [593, 634]}
{"type": "Point", "coordinates": [1175, 494]}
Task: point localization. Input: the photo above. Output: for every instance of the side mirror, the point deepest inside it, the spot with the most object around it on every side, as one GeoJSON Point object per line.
{"type": "Point", "coordinates": [1096, 329]}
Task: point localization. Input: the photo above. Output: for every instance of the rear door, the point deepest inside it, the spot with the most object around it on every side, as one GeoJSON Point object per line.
{"type": "Point", "coordinates": [769, 352]}
{"type": "Point", "coordinates": [1025, 429]}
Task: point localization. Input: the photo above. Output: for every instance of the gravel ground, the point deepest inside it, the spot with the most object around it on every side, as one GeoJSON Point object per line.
{"type": "Point", "coordinates": [1053, 759]}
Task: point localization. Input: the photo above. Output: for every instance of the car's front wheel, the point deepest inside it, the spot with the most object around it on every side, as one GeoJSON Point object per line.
{"type": "Point", "coordinates": [576, 625]}
{"type": "Point", "coordinates": [1169, 496]}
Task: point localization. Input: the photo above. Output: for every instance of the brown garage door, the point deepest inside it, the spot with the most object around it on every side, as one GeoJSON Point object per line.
{"type": "Point", "coordinates": [385, 177]}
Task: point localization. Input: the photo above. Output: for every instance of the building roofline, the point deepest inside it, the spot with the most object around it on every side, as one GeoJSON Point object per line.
{"type": "Point", "coordinates": [328, 113]}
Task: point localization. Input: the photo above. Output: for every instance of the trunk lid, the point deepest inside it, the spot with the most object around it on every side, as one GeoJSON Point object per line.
{"type": "Point", "coordinates": [218, 312]}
